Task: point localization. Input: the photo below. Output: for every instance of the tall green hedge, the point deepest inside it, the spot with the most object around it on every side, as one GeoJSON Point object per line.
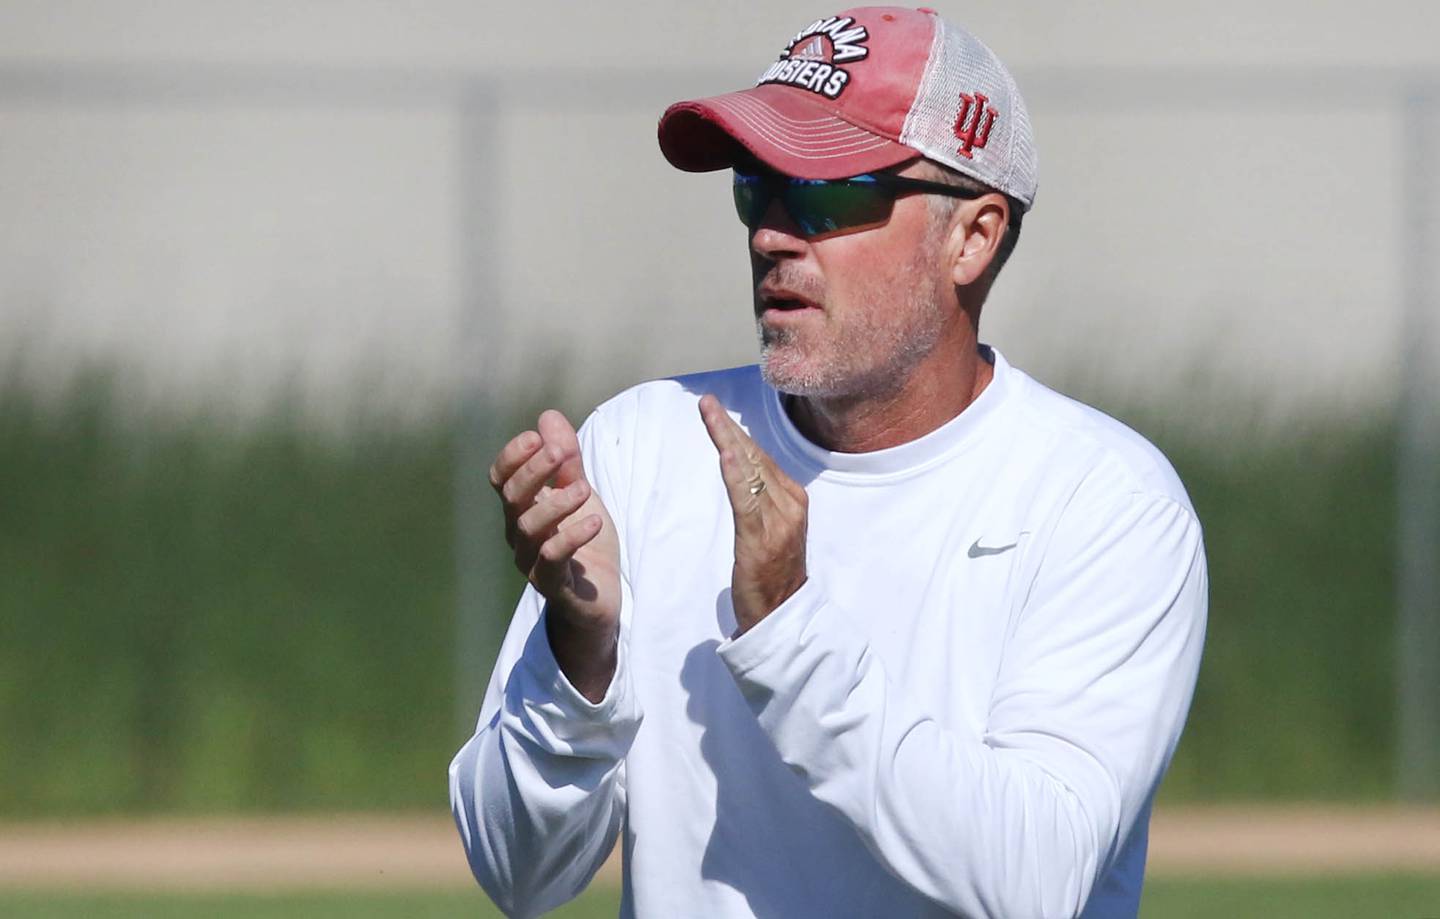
{"type": "Point", "coordinates": [197, 618]}
{"type": "Point", "coordinates": [1296, 697]}
{"type": "Point", "coordinates": [203, 618]}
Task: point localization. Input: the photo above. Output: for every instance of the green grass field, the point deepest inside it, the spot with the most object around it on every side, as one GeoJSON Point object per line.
{"type": "Point", "coordinates": [1400, 897]}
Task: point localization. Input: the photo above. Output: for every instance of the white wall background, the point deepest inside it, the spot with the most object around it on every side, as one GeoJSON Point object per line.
{"type": "Point", "coordinates": [231, 200]}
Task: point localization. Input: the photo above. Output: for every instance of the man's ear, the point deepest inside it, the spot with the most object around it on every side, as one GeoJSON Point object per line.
{"type": "Point", "coordinates": [975, 237]}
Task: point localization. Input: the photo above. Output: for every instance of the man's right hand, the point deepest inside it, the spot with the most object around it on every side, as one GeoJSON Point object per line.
{"type": "Point", "coordinates": [566, 544]}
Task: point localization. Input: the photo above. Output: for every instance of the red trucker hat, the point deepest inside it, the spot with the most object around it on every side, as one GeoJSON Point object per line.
{"type": "Point", "coordinates": [862, 90]}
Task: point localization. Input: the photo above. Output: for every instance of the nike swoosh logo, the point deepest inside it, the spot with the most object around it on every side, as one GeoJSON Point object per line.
{"type": "Point", "coordinates": [979, 551]}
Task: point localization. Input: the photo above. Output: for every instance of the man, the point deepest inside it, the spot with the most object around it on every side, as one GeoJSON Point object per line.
{"type": "Point", "coordinates": [882, 627]}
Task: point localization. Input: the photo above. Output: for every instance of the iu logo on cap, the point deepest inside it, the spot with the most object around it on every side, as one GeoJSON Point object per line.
{"type": "Point", "coordinates": [974, 122]}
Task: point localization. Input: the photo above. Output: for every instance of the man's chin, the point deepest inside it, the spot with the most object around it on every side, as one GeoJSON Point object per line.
{"type": "Point", "coordinates": [794, 378]}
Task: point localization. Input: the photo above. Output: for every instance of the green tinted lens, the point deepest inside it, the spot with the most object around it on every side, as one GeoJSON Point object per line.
{"type": "Point", "coordinates": [824, 207]}
{"type": "Point", "coordinates": [817, 206]}
{"type": "Point", "coordinates": [751, 198]}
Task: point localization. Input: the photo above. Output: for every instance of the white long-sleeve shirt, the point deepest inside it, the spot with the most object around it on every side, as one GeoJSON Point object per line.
{"type": "Point", "coordinates": [967, 708]}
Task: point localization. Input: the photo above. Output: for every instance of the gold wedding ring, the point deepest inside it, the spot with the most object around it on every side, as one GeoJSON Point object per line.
{"type": "Point", "coordinates": [756, 483]}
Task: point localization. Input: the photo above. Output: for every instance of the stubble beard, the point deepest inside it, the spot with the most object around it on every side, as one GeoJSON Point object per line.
{"type": "Point", "coordinates": [870, 352]}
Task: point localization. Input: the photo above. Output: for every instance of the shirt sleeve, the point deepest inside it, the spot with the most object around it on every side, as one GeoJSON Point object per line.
{"type": "Point", "coordinates": [1022, 818]}
{"type": "Point", "coordinates": [538, 792]}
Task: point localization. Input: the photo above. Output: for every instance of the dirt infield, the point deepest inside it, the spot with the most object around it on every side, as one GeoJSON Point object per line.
{"type": "Point", "coordinates": [287, 853]}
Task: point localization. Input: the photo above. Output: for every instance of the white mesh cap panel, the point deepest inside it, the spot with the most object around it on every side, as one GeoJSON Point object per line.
{"type": "Point", "coordinates": [961, 65]}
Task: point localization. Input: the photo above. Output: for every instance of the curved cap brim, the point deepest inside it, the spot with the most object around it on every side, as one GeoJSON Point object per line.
{"type": "Point", "coordinates": [782, 128]}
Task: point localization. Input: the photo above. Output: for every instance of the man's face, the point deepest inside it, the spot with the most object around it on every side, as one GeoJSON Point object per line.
{"type": "Point", "coordinates": [854, 313]}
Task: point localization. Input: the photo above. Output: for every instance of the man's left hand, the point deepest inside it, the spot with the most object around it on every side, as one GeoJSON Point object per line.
{"type": "Point", "coordinates": [771, 510]}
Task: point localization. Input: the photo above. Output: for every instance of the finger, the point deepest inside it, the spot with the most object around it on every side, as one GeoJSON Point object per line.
{"type": "Point", "coordinates": [741, 485]}
{"type": "Point", "coordinates": [552, 567]}
{"type": "Point", "coordinates": [732, 472]}
{"type": "Point", "coordinates": [724, 433]}
{"type": "Point", "coordinates": [741, 461]}
{"type": "Point", "coordinates": [556, 430]}
{"type": "Point", "coordinates": [539, 523]}
{"type": "Point", "coordinates": [520, 490]}
{"type": "Point", "coordinates": [757, 466]}
{"type": "Point", "coordinates": [512, 456]}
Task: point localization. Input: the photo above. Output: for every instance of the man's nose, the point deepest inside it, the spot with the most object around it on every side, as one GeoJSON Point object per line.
{"type": "Point", "coordinates": [777, 235]}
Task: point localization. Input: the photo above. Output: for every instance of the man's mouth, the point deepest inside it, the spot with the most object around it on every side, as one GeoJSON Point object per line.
{"type": "Point", "coordinates": [780, 300]}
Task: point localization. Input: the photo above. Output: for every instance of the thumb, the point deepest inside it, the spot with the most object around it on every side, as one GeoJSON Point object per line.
{"type": "Point", "coordinates": [555, 429]}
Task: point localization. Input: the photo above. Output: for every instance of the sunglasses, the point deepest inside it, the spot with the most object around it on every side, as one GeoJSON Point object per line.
{"type": "Point", "coordinates": [823, 206]}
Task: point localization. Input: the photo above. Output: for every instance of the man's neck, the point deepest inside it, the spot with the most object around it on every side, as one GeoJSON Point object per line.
{"type": "Point", "coordinates": [865, 423]}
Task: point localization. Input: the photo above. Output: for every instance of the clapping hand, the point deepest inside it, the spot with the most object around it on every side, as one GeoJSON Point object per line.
{"type": "Point", "coordinates": [566, 545]}
{"type": "Point", "coordinates": [771, 511]}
